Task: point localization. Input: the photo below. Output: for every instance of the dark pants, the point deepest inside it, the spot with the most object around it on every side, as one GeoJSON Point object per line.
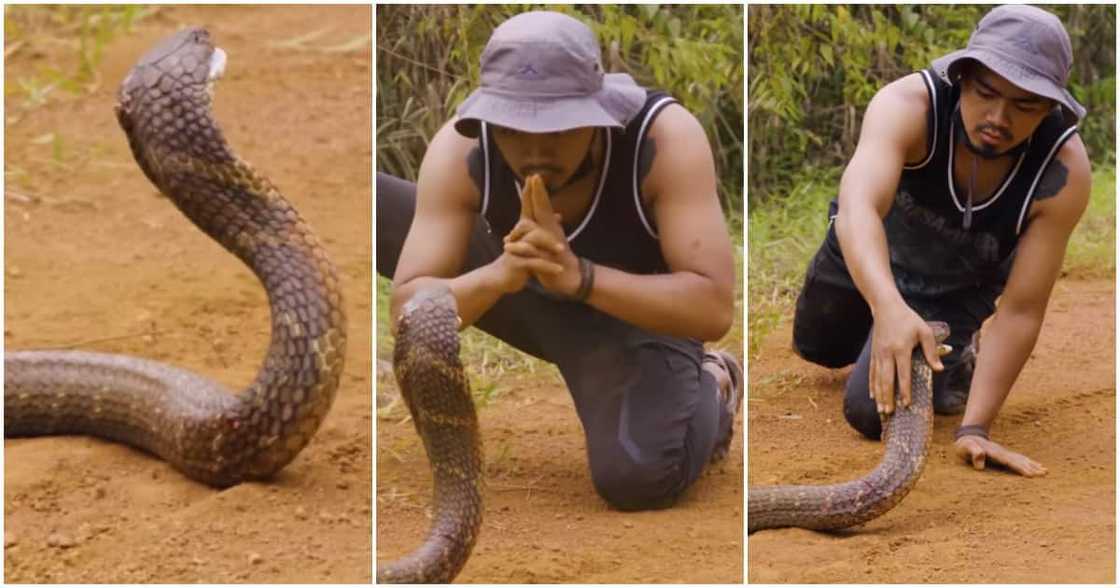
{"type": "Point", "coordinates": [650, 414]}
{"type": "Point", "coordinates": [832, 328]}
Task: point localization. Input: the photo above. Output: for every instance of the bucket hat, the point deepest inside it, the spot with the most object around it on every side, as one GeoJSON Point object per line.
{"type": "Point", "coordinates": [1026, 45]}
{"type": "Point", "coordinates": [542, 73]}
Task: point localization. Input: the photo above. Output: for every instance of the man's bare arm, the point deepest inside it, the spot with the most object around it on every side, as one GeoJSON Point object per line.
{"type": "Point", "coordinates": [436, 247]}
{"type": "Point", "coordinates": [696, 299]}
{"type": "Point", "coordinates": [1011, 335]}
{"type": "Point", "coordinates": [893, 132]}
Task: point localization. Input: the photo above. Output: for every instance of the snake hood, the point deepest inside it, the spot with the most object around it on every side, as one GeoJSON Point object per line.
{"type": "Point", "coordinates": [169, 92]}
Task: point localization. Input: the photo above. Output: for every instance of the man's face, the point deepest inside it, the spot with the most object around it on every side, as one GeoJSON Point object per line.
{"type": "Point", "coordinates": [555, 156]}
{"type": "Point", "coordinates": [997, 114]}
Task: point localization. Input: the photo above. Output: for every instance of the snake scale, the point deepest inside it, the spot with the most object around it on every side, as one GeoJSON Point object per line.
{"type": "Point", "coordinates": [202, 429]}
{"type": "Point", "coordinates": [430, 375]}
{"type": "Point", "coordinates": [906, 436]}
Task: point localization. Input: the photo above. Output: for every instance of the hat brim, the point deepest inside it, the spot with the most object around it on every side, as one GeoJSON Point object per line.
{"type": "Point", "coordinates": [948, 66]}
{"type": "Point", "coordinates": [619, 100]}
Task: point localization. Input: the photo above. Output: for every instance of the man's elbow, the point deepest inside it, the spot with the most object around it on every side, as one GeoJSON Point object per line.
{"type": "Point", "coordinates": [719, 322]}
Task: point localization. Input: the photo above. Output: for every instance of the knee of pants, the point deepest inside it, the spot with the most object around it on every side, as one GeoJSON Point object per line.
{"type": "Point", "coordinates": [863, 416]}
{"type": "Point", "coordinates": [626, 485]}
{"type": "Point", "coordinates": [810, 350]}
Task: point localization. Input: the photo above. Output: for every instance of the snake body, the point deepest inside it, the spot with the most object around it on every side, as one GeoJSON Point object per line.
{"type": "Point", "coordinates": [430, 375]}
{"type": "Point", "coordinates": [906, 437]}
{"type": "Point", "coordinates": [209, 433]}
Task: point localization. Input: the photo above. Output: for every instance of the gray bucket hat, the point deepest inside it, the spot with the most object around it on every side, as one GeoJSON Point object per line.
{"type": "Point", "coordinates": [1026, 45]}
{"type": "Point", "coordinates": [541, 73]}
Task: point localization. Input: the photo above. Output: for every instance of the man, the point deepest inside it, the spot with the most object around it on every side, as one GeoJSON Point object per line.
{"type": "Point", "coordinates": [574, 215]}
{"type": "Point", "coordinates": [965, 186]}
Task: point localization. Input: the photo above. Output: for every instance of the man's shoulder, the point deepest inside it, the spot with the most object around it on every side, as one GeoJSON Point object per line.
{"type": "Point", "coordinates": [898, 115]}
{"type": "Point", "coordinates": [447, 164]}
{"type": "Point", "coordinates": [907, 94]}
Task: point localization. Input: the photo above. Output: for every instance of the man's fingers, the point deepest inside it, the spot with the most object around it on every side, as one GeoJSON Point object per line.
{"type": "Point", "coordinates": [526, 249]}
{"type": "Point", "coordinates": [538, 265]}
{"type": "Point", "coordinates": [978, 458]}
{"type": "Point", "coordinates": [527, 200]}
{"type": "Point", "coordinates": [902, 366]}
{"type": "Point", "coordinates": [542, 207]}
{"type": "Point", "coordinates": [523, 226]}
{"type": "Point", "coordinates": [929, 349]}
{"type": "Point", "coordinates": [884, 385]}
{"type": "Point", "coordinates": [544, 240]}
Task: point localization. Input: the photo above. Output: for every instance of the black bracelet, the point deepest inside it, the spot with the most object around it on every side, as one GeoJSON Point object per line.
{"type": "Point", "coordinates": [973, 431]}
{"type": "Point", "coordinates": [586, 280]}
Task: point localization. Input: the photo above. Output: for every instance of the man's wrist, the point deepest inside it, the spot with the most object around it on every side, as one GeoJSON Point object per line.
{"type": "Point", "coordinates": [973, 431]}
{"type": "Point", "coordinates": [586, 280]}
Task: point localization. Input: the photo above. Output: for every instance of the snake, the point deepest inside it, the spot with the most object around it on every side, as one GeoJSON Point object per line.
{"type": "Point", "coordinates": [430, 376]}
{"type": "Point", "coordinates": [906, 438]}
{"type": "Point", "coordinates": [204, 430]}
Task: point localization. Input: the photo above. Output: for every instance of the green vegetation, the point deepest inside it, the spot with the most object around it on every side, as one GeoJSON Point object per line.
{"type": "Point", "coordinates": [81, 32]}
{"type": "Point", "coordinates": [428, 62]}
{"type": "Point", "coordinates": [813, 69]}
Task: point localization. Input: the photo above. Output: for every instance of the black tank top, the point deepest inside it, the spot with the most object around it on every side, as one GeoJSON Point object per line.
{"type": "Point", "coordinates": [617, 230]}
{"type": "Point", "coordinates": [932, 253]}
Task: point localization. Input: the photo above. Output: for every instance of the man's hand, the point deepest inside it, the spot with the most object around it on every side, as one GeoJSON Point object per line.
{"type": "Point", "coordinates": [538, 236]}
{"type": "Point", "coordinates": [978, 450]}
{"type": "Point", "coordinates": [893, 338]}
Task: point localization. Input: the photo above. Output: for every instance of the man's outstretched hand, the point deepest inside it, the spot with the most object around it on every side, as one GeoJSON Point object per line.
{"type": "Point", "coordinates": [978, 451]}
{"type": "Point", "coordinates": [539, 235]}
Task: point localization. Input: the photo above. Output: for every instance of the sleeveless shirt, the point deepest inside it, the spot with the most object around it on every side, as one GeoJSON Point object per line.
{"type": "Point", "coordinates": [932, 254]}
{"type": "Point", "coordinates": [616, 230]}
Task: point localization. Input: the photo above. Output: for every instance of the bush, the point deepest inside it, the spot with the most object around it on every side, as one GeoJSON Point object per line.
{"type": "Point", "coordinates": [428, 62]}
{"type": "Point", "coordinates": [813, 69]}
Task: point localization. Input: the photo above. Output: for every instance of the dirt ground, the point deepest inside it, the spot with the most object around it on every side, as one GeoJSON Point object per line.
{"type": "Point", "coordinates": [958, 525]}
{"type": "Point", "coordinates": [96, 260]}
{"type": "Point", "coordinates": [543, 521]}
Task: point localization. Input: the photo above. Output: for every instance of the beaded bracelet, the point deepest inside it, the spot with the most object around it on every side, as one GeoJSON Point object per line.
{"type": "Point", "coordinates": [586, 280]}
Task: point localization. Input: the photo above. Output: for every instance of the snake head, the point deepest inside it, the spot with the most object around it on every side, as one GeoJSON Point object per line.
{"type": "Point", "coordinates": [172, 79]}
{"type": "Point", "coordinates": [163, 104]}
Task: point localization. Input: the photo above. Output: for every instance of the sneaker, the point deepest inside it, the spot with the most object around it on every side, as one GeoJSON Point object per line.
{"type": "Point", "coordinates": [731, 397]}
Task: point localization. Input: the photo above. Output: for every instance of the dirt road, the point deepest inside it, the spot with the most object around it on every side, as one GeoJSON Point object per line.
{"type": "Point", "coordinates": [96, 260]}
{"type": "Point", "coordinates": [958, 525]}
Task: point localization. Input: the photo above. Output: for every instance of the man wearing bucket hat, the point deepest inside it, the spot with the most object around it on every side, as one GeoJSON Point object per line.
{"type": "Point", "coordinates": [965, 186]}
{"type": "Point", "coordinates": [574, 215]}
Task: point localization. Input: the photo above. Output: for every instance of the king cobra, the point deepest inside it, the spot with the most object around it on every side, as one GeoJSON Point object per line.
{"type": "Point", "coordinates": [430, 376]}
{"type": "Point", "coordinates": [195, 424]}
{"type": "Point", "coordinates": [906, 435]}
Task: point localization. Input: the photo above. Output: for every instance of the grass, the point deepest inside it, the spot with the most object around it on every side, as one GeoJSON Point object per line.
{"type": "Point", "coordinates": [784, 233]}
{"type": "Point", "coordinates": [1092, 252]}
{"type": "Point", "coordinates": [488, 361]}
{"type": "Point", "coordinates": [67, 41]}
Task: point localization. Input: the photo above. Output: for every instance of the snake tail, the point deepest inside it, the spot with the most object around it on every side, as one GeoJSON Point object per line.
{"type": "Point", "coordinates": [906, 437]}
{"type": "Point", "coordinates": [430, 375]}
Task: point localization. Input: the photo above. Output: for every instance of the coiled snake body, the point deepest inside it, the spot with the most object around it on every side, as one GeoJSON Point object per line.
{"type": "Point", "coordinates": [432, 382]}
{"type": "Point", "coordinates": [906, 436]}
{"type": "Point", "coordinates": [195, 424]}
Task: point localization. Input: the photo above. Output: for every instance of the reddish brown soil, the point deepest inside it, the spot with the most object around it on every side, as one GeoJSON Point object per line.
{"type": "Point", "coordinates": [543, 521]}
{"type": "Point", "coordinates": [958, 525]}
{"type": "Point", "coordinates": [94, 259]}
